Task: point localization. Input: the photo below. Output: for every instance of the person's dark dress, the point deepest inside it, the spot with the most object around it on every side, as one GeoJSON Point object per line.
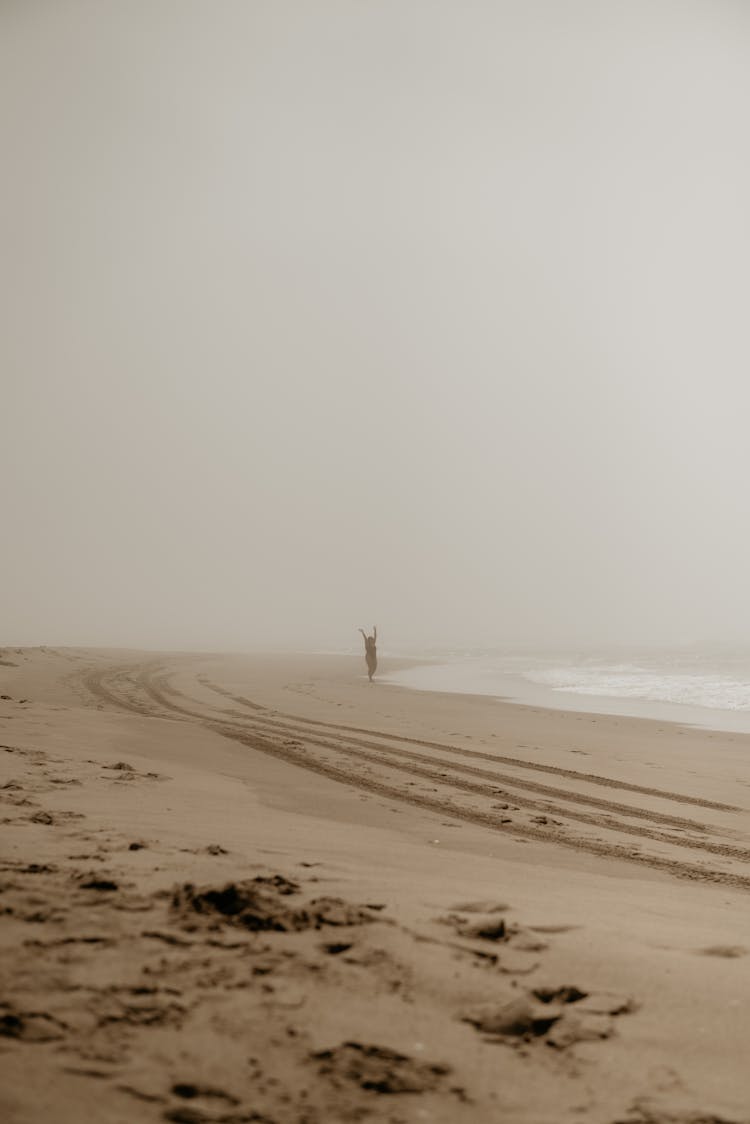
{"type": "Point", "coordinates": [371, 652]}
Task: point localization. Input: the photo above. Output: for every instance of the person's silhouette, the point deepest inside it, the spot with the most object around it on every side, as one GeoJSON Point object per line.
{"type": "Point", "coordinates": [371, 653]}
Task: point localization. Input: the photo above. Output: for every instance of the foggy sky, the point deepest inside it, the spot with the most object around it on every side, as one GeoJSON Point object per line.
{"type": "Point", "coordinates": [420, 313]}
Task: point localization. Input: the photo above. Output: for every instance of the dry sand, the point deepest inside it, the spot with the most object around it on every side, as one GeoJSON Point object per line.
{"type": "Point", "coordinates": [262, 889]}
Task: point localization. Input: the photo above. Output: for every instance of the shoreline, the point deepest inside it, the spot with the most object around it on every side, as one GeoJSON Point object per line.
{"type": "Point", "coordinates": [514, 689]}
{"type": "Point", "coordinates": [518, 691]}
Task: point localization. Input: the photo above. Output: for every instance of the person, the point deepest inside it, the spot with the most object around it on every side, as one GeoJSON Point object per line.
{"type": "Point", "coordinates": [371, 653]}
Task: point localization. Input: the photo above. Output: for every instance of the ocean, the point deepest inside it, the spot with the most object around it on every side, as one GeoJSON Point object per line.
{"type": "Point", "coordinates": [709, 687]}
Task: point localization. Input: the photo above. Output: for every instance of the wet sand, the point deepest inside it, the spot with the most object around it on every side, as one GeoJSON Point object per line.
{"type": "Point", "coordinates": [262, 889]}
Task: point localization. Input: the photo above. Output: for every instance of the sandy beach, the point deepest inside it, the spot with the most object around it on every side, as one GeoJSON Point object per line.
{"type": "Point", "coordinates": [375, 647]}
{"type": "Point", "coordinates": [258, 888]}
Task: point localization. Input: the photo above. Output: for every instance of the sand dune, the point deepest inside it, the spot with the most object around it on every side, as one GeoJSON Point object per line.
{"type": "Point", "coordinates": [260, 889]}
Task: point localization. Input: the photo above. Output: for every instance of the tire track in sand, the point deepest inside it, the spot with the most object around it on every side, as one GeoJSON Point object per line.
{"type": "Point", "coordinates": [556, 770]}
{"type": "Point", "coordinates": [143, 678]}
{"type": "Point", "coordinates": [156, 690]}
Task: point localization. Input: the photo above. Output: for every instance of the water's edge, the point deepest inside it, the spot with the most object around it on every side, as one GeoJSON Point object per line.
{"type": "Point", "coordinates": [467, 677]}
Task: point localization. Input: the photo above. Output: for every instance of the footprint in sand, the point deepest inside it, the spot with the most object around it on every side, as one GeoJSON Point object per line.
{"type": "Point", "coordinates": [261, 903]}
{"type": "Point", "coordinates": [53, 820]}
{"type": "Point", "coordinates": [127, 772]}
{"type": "Point", "coordinates": [211, 849]}
{"type": "Point", "coordinates": [101, 885]}
{"type": "Point", "coordinates": [193, 1103]}
{"type": "Point", "coordinates": [560, 1016]}
{"type": "Point", "coordinates": [43, 817]}
{"type": "Point", "coordinates": [726, 951]}
{"type": "Point", "coordinates": [30, 1026]}
{"type": "Point", "coordinates": [491, 927]}
{"type": "Point", "coordinates": [335, 948]}
{"type": "Point", "coordinates": [378, 1069]}
{"type": "Point", "coordinates": [204, 1100]}
{"type": "Point", "coordinates": [480, 907]}
{"type": "Point", "coordinates": [643, 1114]}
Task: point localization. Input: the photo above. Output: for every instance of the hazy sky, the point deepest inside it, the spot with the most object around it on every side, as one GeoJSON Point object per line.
{"type": "Point", "coordinates": [425, 313]}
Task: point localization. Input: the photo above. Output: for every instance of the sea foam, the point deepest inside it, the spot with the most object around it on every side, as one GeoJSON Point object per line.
{"type": "Point", "coordinates": [718, 681]}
